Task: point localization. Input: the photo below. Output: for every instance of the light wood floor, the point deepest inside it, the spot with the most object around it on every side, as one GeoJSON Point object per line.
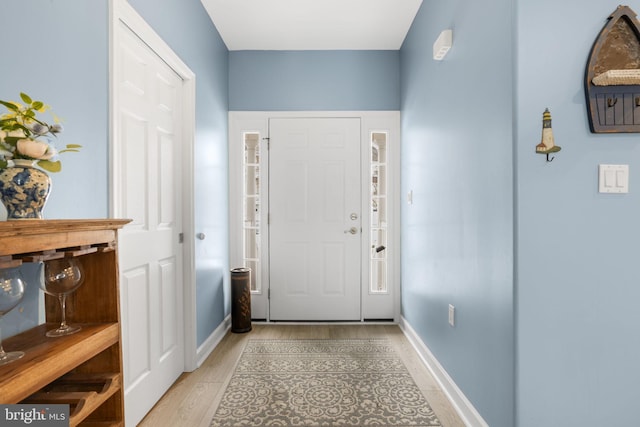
{"type": "Point", "coordinates": [192, 400]}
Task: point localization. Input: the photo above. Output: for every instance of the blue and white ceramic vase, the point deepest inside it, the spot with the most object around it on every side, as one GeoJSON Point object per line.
{"type": "Point", "coordinates": [24, 190]}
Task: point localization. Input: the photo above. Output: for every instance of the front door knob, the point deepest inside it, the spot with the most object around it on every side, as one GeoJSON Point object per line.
{"type": "Point", "coordinates": [352, 230]}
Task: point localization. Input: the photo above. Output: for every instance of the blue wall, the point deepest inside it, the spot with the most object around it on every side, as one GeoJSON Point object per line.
{"type": "Point", "coordinates": [457, 237]}
{"type": "Point", "coordinates": [577, 300]}
{"type": "Point", "coordinates": [62, 58]}
{"type": "Point", "coordinates": [564, 262]}
{"type": "Point", "coordinates": [314, 80]}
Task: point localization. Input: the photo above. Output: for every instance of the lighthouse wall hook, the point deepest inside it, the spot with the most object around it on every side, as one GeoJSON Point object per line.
{"type": "Point", "coordinates": [547, 145]}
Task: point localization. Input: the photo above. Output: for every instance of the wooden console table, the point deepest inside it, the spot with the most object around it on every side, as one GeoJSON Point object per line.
{"type": "Point", "coordinates": [83, 370]}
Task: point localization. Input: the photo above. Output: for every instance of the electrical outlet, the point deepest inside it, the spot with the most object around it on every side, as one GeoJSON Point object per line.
{"type": "Point", "coordinates": [452, 315]}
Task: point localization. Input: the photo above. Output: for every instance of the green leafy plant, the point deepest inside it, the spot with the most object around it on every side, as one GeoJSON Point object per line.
{"type": "Point", "coordinates": [24, 135]}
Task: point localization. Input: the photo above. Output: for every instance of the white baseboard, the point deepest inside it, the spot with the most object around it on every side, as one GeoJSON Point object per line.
{"type": "Point", "coordinates": [212, 342]}
{"type": "Point", "coordinates": [459, 401]}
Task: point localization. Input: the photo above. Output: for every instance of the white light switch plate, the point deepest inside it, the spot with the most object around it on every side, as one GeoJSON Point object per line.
{"type": "Point", "coordinates": [613, 178]}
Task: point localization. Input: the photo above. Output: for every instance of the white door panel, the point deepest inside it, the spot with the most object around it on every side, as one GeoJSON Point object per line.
{"type": "Point", "coordinates": [134, 284]}
{"type": "Point", "coordinates": [314, 200]}
{"type": "Point", "coordinates": [149, 160]}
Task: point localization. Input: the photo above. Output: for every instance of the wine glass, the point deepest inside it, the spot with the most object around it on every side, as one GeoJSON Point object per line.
{"type": "Point", "coordinates": [11, 293]}
{"type": "Point", "coordinates": [61, 277]}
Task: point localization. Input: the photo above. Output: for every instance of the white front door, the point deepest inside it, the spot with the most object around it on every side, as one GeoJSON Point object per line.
{"type": "Point", "coordinates": [147, 160]}
{"type": "Point", "coordinates": [314, 218]}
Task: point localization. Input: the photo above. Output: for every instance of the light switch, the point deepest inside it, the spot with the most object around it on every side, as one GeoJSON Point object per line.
{"type": "Point", "coordinates": [609, 178]}
{"type": "Point", "coordinates": [613, 178]}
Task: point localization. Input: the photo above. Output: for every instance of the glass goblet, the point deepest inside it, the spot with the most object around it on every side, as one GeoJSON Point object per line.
{"type": "Point", "coordinates": [61, 277]}
{"type": "Point", "coordinates": [11, 293]}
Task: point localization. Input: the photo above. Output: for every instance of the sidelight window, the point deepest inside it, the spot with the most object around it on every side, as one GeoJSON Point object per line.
{"type": "Point", "coordinates": [378, 212]}
{"type": "Point", "coordinates": [251, 208]}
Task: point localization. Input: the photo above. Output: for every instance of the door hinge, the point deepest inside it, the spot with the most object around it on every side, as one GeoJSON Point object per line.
{"type": "Point", "coordinates": [181, 238]}
{"type": "Point", "coordinates": [268, 293]}
{"type": "Point", "coordinates": [268, 142]}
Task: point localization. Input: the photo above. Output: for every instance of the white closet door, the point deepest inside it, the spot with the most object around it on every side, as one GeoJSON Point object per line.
{"type": "Point", "coordinates": [149, 160]}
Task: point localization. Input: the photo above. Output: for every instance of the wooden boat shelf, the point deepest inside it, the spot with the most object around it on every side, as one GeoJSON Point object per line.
{"type": "Point", "coordinates": [612, 76]}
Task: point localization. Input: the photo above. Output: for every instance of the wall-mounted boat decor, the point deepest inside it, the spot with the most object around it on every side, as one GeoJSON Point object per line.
{"type": "Point", "coordinates": [612, 77]}
{"type": "Point", "coordinates": [547, 145]}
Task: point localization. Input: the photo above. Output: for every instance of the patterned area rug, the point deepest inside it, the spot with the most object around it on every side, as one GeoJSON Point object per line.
{"type": "Point", "coordinates": [322, 383]}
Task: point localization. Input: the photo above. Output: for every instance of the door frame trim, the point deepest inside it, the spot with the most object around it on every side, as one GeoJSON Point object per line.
{"type": "Point", "coordinates": [258, 121]}
{"type": "Point", "coordinates": [120, 10]}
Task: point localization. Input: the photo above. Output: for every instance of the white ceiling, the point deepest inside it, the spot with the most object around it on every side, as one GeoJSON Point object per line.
{"type": "Point", "coordinates": [312, 24]}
